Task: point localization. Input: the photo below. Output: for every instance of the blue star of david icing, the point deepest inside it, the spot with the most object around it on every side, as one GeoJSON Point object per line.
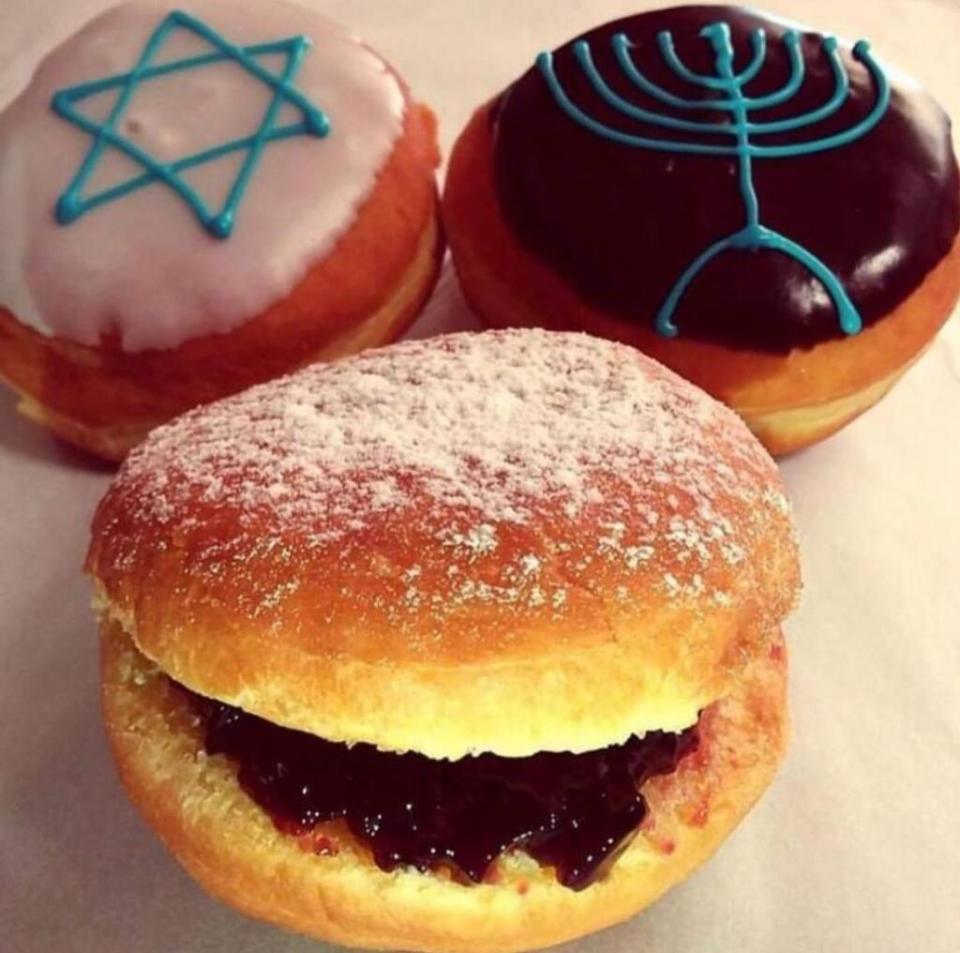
{"type": "Point", "coordinates": [220, 223]}
{"type": "Point", "coordinates": [728, 85]}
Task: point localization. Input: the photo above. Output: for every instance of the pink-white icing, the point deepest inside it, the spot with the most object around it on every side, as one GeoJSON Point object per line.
{"type": "Point", "coordinates": [142, 266]}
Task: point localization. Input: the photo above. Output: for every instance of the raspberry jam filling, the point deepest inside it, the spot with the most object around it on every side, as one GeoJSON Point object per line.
{"type": "Point", "coordinates": [574, 812]}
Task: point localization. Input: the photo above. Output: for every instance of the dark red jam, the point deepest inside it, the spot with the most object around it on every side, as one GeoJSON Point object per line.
{"type": "Point", "coordinates": [574, 812]}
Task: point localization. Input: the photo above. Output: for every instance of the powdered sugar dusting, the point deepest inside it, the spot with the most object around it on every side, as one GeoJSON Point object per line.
{"type": "Point", "coordinates": [467, 441]}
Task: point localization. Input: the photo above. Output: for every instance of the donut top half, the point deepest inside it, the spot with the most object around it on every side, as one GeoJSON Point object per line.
{"type": "Point", "coordinates": [454, 546]}
{"type": "Point", "coordinates": [172, 170]}
{"type": "Point", "coordinates": [600, 172]}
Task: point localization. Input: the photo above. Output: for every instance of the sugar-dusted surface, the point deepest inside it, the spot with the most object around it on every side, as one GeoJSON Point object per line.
{"type": "Point", "coordinates": [477, 437]}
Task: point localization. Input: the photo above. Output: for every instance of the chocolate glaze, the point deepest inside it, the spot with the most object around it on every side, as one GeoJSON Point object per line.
{"type": "Point", "coordinates": [574, 812]}
{"type": "Point", "coordinates": [620, 224]}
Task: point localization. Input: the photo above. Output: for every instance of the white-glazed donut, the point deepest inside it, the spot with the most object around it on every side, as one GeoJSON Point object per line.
{"type": "Point", "coordinates": [141, 272]}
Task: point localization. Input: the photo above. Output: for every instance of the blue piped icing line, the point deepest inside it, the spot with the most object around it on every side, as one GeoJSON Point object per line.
{"type": "Point", "coordinates": [729, 84]}
{"type": "Point", "coordinates": [72, 204]}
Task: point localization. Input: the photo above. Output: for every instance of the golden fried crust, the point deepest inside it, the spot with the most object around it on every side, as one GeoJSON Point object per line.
{"type": "Point", "coordinates": [419, 625]}
{"type": "Point", "coordinates": [790, 401]}
{"type": "Point", "coordinates": [366, 292]}
{"type": "Point", "coordinates": [229, 845]}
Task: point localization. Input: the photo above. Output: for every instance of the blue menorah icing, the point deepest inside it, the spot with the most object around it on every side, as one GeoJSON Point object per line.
{"type": "Point", "coordinates": [72, 205]}
{"type": "Point", "coordinates": [729, 85]}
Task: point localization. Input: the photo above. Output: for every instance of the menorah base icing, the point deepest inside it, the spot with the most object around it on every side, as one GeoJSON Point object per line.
{"type": "Point", "coordinates": [790, 401]}
{"type": "Point", "coordinates": [148, 296]}
{"type": "Point", "coordinates": [754, 238]}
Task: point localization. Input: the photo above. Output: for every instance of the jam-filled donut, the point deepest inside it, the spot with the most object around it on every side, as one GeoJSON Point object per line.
{"type": "Point", "coordinates": [197, 199]}
{"type": "Point", "coordinates": [463, 644]}
{"type": "Point", "coordinates": [768, 211]}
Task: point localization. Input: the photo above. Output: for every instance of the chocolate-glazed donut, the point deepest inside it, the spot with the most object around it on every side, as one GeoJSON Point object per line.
{"type": "Point", "coordinates": [769, 211]}
{"type": "Point", "coordinates": [621, 224]}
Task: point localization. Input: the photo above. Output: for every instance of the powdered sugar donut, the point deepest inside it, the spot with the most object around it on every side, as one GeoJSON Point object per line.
{"type": "Point", "coordinates": [193, 201]}
{"type": "Point", "coordinates": [400, 651]}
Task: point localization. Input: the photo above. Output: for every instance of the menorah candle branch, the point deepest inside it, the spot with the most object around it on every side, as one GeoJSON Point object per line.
{"type": "Point", "coordinates": [726, 94]}
{"type": "Point", "coordinates": [72, 205]}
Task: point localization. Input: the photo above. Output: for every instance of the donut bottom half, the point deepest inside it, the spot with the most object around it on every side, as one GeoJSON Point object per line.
{"type": "Point", "coordinates": [324, 884]}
